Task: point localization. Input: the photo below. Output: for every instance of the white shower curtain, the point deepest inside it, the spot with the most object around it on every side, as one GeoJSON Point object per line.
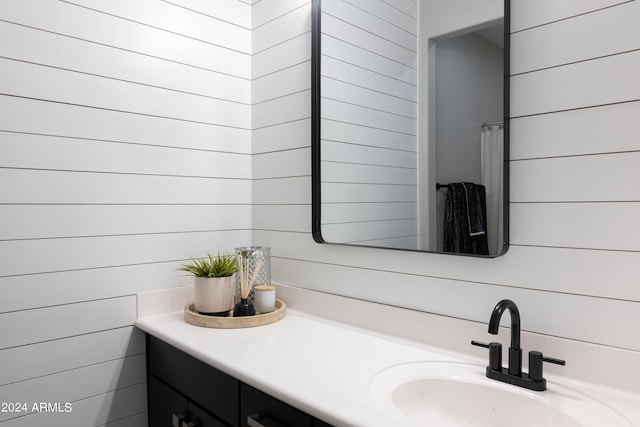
{"type": "Point", "coordinates": [492, 161]}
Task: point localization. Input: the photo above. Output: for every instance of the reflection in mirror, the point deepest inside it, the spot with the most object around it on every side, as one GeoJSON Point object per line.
{"type": "Point", "coordinates": [408, 124]}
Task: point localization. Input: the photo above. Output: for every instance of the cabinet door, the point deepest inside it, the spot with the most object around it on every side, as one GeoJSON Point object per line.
{"type": "Point", "coordinates": [208, 387]}
{"type": "Point", "coordinates": [168, 408]}
{"type": "Point", "coordinates": [258, 409]}
{"type": "Point", "coordinates": [164, 404]}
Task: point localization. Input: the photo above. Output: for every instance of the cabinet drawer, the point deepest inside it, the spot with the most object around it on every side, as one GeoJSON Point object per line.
{"type": "Point", "coordinates": [167, 406]}
{"type": "Point", "coordinates": [269, 411]}
{"type": "Point", "coordinates": [199, 382]}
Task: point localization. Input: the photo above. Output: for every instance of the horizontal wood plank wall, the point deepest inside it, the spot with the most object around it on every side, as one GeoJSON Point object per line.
{"type": "Point", "coordinates": [125, 147]}
{"type": "Point", "coordinates": [572, 266]}
{"type": "Point", "coordinates": [281, 145]}
{"type": "Point", "coordinates": [369, 107]}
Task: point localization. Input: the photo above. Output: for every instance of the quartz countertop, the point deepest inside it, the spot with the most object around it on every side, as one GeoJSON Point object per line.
{"type": "Point", "coordinates": [319, 367]}
{"type": "Point", "coordinates": [324, 367]}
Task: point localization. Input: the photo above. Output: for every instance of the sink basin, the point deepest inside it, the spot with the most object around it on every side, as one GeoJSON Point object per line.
{"type": "Point", "coordinates": [447, 394]}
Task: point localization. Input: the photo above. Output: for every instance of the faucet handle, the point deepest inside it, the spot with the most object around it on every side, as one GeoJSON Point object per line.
{"type": "Point", "coordinates": [495, 354]}
{"type": "Point", "coordinates": [535, 364]}
{"type": "Point", "coordinates": [479, 344]}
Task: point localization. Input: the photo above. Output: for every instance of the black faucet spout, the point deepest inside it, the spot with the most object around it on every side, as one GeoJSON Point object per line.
{"type": "Point", "coordinates": [496, 315]}
{"type": "Point", "coordinates": [515, 352]}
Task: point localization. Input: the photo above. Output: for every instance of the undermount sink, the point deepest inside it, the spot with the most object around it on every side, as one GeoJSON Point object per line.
{"type": "Point", "coordinates": [447, 394]}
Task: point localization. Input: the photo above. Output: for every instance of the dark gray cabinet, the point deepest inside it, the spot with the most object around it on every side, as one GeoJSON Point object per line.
{"type": "Point", "coordinates": [186, 392]}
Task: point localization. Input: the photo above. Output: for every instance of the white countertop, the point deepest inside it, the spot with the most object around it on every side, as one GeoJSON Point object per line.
{"type": "Point", "coordinates": [318, 367]}
{"type": "Point", "coordinates": [324, 367]}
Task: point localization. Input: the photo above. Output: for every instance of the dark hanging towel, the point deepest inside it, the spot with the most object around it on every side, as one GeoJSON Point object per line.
{"type": "Point", "coordinates": [465, 229]}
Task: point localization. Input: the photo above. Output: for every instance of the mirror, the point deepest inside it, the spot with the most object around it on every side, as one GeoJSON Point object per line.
{"type": "Point", "coordinates": [409, 136]}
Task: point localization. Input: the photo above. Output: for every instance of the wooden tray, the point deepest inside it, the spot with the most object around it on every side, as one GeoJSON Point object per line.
{"type": "Point", "coordinates": [195, 318]}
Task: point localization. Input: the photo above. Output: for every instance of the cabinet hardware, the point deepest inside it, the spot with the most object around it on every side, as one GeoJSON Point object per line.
{"type": "Point", "coordinates": [177, 420]}
{"type": "Point", "coordinates": [260, 420]}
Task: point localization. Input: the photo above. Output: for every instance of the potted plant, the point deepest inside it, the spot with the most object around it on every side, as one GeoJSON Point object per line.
{"type": "Point", "coordinates": [214, 284]}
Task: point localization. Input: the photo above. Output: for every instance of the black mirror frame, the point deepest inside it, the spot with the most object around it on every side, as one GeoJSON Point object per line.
{"type": "Point", "coordinates": [315, 123]}
{"type": "Point", "coordinates": [316, 199]}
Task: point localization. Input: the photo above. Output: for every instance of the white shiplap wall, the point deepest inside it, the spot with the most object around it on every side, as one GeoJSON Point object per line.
{"type": "Point", "coordinates": [125, 147]}
{"type": "Point", "coordinates": [117, 117]}
{"type": "Point", "coordinates": [369, 82]}
{"type": "Point", "coordinates": [573, 262]}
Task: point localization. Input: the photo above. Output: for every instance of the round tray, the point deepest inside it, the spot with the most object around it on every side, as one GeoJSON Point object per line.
{"type": "Point", "coordinates": [195, 318]}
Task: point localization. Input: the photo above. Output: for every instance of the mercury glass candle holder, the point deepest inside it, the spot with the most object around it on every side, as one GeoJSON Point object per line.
{"type": "Point", "coordinates": [256, 262]}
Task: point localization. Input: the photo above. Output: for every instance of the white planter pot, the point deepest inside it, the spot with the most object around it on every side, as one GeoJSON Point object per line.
{"type": "Point", "coordinates": [214, 295]}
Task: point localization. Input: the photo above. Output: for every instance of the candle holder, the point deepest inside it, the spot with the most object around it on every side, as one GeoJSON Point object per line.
{"type": "Point", "coordinates": [254, 265]}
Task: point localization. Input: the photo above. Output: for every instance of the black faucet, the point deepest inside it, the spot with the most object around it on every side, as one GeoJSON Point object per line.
{"type": "Point", "coordinates": [513, 374]}
{"type": "Point", "coordinates": [515, 352]}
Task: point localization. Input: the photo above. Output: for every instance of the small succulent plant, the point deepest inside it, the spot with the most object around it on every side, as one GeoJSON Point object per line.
{"type": "Point", "coordinates": [221, 266]}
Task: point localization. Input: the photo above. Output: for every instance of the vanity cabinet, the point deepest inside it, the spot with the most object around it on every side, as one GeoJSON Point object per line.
{"type": "Point", "coordinates": [186, 392]}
